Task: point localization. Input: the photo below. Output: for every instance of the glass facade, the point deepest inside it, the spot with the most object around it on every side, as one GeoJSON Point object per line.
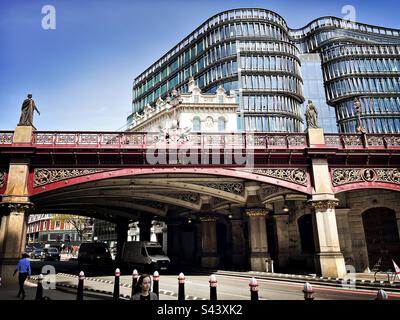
{"type": "Point", "coordinates": [255, 54]}
{"type": "Point", "coordinates": [314, 90]}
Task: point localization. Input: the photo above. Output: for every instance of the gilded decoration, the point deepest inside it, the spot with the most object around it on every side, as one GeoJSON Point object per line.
{"type": "Point", "coordinates": [324, 205]}
{"type": "Point", "coordinates": [346, 176]}
{"type": "Point", "coordinates": [18, 208]}
{"type": "Point", "coordinates": [46, 176]}
{"type": "Point", "coordinates": [208, 219]}
{"type": "Point", "coordinates": [260, 212]}
{"type": "Point", "coordinates": [297, 176]}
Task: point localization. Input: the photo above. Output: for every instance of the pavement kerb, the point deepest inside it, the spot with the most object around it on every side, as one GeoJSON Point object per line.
{"type": "Point", "coordinates": [164, 292]}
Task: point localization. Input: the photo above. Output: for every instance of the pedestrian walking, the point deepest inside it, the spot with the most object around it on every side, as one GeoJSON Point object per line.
{"type": "Point", "coordinates": [142, 289]}
{"type": "Point", "coordinates": [24, 271]}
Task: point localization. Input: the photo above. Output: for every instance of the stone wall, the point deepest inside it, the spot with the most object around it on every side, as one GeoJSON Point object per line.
{"type": "Point", "coordinates": [357, 202]}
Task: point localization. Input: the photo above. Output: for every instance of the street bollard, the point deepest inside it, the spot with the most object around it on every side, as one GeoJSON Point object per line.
{"type": "Point", "coordinates": [116, 284]}
{"type": "Point", "coordinates": [156, 279]}
{"type": "Point", "coordinates": [308, 292]}
{"type": "Point", "coordinates": [39, 289]}
{"type": "Point", "coordinates": [253, 289]}
{"type": "Point", "coordinates": [381, 295]}
{"type": "Point", "coordinates": [135, 277]}
{"type": "Point", "coordinates": [213, 287]}
{"type": "Point", "coordinates": [79, 295]}
{"type": "Point", "coordinates": [181, 290]}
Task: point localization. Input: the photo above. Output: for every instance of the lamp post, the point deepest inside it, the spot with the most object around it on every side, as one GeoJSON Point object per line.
{"type": "Point", "coordinates": [357, 107]}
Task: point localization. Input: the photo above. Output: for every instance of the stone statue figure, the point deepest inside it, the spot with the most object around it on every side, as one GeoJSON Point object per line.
{"type": "Point", "coordinates": [311, 115]}
{"type": "Point", "coordinates": [27, 110]}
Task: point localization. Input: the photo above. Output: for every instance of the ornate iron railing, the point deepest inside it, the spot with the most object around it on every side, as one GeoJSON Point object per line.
{"type": "Point", "coordinates": [144, 140]}
{"type": "Point", "coordinates": [258, 140]}
{"type": "Point", "coordinates": [356, 141]}
{"type": "Point", "coordinates": [6, 137]}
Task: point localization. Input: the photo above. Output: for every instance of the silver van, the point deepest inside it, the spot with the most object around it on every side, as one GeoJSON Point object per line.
{"type": "Point", "coordinates": [144, 254]}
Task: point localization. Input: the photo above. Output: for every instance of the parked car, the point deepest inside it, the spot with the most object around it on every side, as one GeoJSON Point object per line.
{"type": "Point", "coordinates": [94, 253]}
{"type": "Point", "coordinates": [51, 254]}
{"type": "Point", "coordinates": [36, 254]}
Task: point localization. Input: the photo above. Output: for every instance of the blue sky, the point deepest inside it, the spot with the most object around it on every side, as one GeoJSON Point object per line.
{"type": "Point", "coordinates": [81, 73]}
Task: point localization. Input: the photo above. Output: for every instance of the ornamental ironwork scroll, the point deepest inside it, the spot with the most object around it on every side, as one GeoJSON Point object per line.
{"type": "Point", "coordinates": [332, 140]}
{"type": "Point", "coordinates": [185, 196]}
{"type": "Point", "coordinates": [237, 188]}
{"type": "Point", "coordinates": [6, 137]}
{"type": "Point", "coordinates": [393, 141]}
{"type": "Point", "coordinates": [297, 176]}
{"type": "Point", "coordinates": [46, 176]}
{"type": "Point", "coordinates": [346, 176]}
{"type": "Point", "coordinates": [352, 140]}
{"type": "Point", "coordinates": [2, 178]}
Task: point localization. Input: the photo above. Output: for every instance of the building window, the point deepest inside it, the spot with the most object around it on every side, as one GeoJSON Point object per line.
{"type": "Point", "coordinates": [57, 224]}
{"type": "Point", "coordinates": [221, 124]}
{"type": "Point", "coordinates": [196, 124]}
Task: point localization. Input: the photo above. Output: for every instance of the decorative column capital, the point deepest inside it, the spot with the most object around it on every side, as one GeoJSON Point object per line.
{"type": "Point", "coordinates": [256, 212]}
{"type": "Point", "coordinates": [324, 204]}
{"type": "Point", "coordinates": [18, 208]}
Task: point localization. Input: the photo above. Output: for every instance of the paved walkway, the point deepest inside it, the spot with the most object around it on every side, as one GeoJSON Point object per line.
{"type": "Point", "coordinates": [10, 293]}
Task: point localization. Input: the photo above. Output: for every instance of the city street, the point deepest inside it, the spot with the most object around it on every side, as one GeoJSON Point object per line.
{"type": "Point", "coordinates": [197, 286]}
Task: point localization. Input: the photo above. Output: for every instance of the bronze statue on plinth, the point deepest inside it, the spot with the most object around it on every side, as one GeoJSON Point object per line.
{"type": "Point", "coordinates": [27, 110]}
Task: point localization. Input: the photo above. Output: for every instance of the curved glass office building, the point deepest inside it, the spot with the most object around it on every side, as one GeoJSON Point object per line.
{"type": "Point", "coordinates": [273, 69]}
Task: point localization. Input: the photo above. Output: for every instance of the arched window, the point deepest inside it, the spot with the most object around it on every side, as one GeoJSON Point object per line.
{"type": "Point", "coordinates": [221, 124]}
{"type": "Point", "coordinates": [196, 124]}
{"type": "Point", "coordinates": [381, 237]}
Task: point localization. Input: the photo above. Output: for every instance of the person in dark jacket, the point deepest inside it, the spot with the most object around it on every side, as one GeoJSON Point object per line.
{"type": "Point", "coordinates": [142, 289]}
{"type": "Point", "coordinates": [24, 271]}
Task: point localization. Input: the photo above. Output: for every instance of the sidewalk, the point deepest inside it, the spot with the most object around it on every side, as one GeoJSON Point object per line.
{"type": "Point", "coordinates": [101, 289]}
{"type": "Point", "coordinates": [10, 293]}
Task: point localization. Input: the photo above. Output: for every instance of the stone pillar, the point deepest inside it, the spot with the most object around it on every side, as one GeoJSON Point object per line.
{"type": "Point", "coordinates": [344, 231]}
{"type": "Point", "coordinates": [16, 198]}
{"type": "Point", "coordinates": [398, 221]}
{"type": "Point", "coordinates": [174, 241]}
{"type": "Point", "coordinates": [12, 241]}
{"type": "Point", "coordinates": [329, 260]}
{"type": "Point", "coordinates": [238, 243]}
{"type": "Point", "coordinates": [209, 254]}
{"type": "Point", "coordinates": [145, 226]}
{"type": "Point", "coordinates": [259, 255]}
{"type": "Point", "coordinates": [122, 236]}
{"type": "Point", "coordinates": [165, 238]}
{"type": "Point", "coordinates": [282, 231]}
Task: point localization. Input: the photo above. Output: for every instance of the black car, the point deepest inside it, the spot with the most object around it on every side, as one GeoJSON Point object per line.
{"type": "Point", "coordinates": [51, 254]}
{"type": "Point", "coordinates": [36, 254]}
{"type": "Point", "coordinates": [94, 253]}
{"type": "Point", "coordinates": [29, 250]}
